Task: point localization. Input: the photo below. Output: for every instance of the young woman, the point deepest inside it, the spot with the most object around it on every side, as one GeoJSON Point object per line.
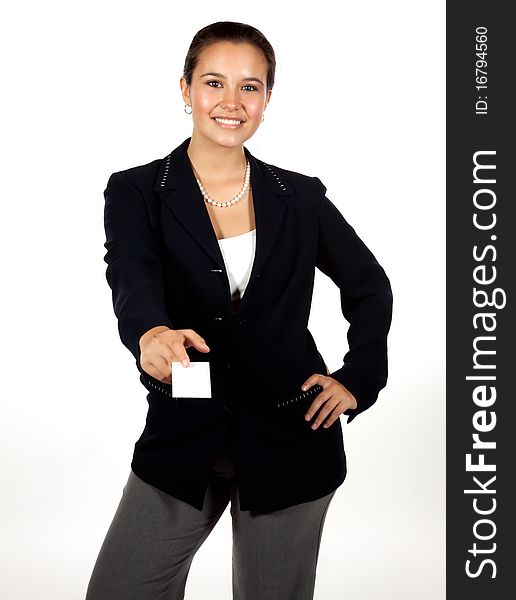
{"type": "Point", "coordinates": [211, 256]}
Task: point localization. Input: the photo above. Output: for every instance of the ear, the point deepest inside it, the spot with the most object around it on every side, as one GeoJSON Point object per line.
{"type": "Point", "coordinates": [185, 90]}
{"type": "Point", "coordinates": [268, 98]}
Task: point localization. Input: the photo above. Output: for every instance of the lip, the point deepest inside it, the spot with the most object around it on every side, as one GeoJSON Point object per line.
{"type": "Point", "coordinates": [230, 118]}
{"type": "Point", "coordinates": [225, 126]}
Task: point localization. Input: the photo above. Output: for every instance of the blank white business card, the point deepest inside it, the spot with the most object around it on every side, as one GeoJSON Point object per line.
{"type": "Point", "coordinates": [192, 381]}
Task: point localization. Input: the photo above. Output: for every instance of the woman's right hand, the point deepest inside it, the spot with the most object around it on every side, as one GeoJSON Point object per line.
{"type": "Point", "coordinates": [160, 346]}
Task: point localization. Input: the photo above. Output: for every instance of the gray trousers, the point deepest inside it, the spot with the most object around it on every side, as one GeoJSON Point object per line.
{"type": "Point", "coordinates": [151, 542]}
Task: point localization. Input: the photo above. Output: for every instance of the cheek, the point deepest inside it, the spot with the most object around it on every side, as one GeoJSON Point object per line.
{"type": "Point", "coordinates": [203, 103]}
{"type": "Point", "coordinates": [254, 108]}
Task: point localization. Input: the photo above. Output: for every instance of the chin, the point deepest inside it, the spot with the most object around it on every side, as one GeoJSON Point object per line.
{"type": "Point", "coordinates": [228, 141]}
{"type": "Point", "coordinates": [225, 138]}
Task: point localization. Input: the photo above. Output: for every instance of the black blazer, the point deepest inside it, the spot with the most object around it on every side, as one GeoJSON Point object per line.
{"type": "Point", "coordinates": [165, 267]}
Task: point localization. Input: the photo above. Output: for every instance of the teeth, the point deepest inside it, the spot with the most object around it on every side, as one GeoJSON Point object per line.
{"type": "Point", "coordinates": [227, 121]}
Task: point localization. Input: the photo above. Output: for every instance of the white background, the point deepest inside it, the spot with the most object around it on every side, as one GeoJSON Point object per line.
{"type": "Point", "coordinates": [92, 88]}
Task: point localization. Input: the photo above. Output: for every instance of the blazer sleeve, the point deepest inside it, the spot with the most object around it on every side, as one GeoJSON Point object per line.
{"type": "Point", "coordinates": [366, 302]}
{"type": "Point", "coordinates": [134, 269]}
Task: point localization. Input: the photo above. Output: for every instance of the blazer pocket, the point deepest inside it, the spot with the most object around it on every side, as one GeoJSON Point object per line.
{"type": "Point", "coordinates": [292, 410]}
{"type": "Point", "coordinates": [300, 399]}
{"type": "Point", "coordinates": [155, 385]}
{"type": "Point", "coordinates": [291, 418]}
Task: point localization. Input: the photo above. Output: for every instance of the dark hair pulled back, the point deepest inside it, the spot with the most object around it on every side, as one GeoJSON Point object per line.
{"type": "Point", "coordinates": [229, 31]}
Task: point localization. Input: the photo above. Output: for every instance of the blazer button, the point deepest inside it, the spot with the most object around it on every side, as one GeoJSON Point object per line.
{"type": "Point", "coordinates": [225, 411]}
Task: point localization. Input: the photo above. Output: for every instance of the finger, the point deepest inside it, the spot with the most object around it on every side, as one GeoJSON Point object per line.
{"type": "Point", "coordinates": [161, 358]}
{"type": "Point", "coordinates": [165, 345]}
{"type": "Point", "coordinates": [350, 395]}
{"type": "Point", "coordinates": [201, 344]}
{"type": "Point", "coordinates": [327, 410]}
{"type": "Point", "coordinates": [318, 401]}
{"type": "Point", "coordinates": [154, 371]}
{"type": "Point", "coordinates": [355, 404]}
{"type": "Point", "coordinates": [312, 380]}
{"type": "Point", "coordinates": [334, 415]}
{"type": "Point", "coordinates": [330, 420]}
{"type": "Point", "coordinates": [192, 338]}
{"type": "Point", "coordinates": [180, 353]}
{"type": "Point", "coordinates": [340, 409]}
{"type": "Point", "coordinates": [164, 364]}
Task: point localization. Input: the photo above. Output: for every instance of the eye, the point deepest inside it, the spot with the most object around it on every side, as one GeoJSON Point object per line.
{"type": "Point", "coordinates": [253, 88]}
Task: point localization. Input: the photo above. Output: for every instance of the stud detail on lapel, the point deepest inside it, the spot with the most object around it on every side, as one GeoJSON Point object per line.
{"type": "Point", "coordinates": [165, 172]}
{"type": "Point", "coordinates": [278, 180]}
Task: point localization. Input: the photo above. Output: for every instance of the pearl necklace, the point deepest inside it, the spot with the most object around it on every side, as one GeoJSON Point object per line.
{"type": "Point", "coordinates": [237, 198]}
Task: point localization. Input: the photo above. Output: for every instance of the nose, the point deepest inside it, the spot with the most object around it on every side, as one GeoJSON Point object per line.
{"type": "Point", "coordinates": [231, 98]}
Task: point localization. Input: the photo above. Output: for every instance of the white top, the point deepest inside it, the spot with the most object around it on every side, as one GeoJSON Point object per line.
{"type": "Point", "coordinates": [238, 253]}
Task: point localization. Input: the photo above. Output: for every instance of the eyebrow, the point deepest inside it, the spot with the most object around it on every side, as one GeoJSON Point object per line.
{"type": "Point", "coordinates": [223, 76]}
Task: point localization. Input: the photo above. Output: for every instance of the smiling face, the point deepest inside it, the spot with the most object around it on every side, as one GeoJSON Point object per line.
{"type": "Point", "coordinates": [229, 81]}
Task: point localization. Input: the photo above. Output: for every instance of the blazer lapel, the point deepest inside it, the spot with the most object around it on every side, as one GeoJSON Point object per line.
{"type": "Point", "coordinates": [180, 193]}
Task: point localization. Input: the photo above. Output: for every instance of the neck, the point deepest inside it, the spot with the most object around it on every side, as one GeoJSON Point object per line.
{"type": "Point", "coordinates": [214, 162]}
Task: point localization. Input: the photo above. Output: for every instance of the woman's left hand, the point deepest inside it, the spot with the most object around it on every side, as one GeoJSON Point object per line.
{"type": "Point", "coordinates": [335, 397]}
